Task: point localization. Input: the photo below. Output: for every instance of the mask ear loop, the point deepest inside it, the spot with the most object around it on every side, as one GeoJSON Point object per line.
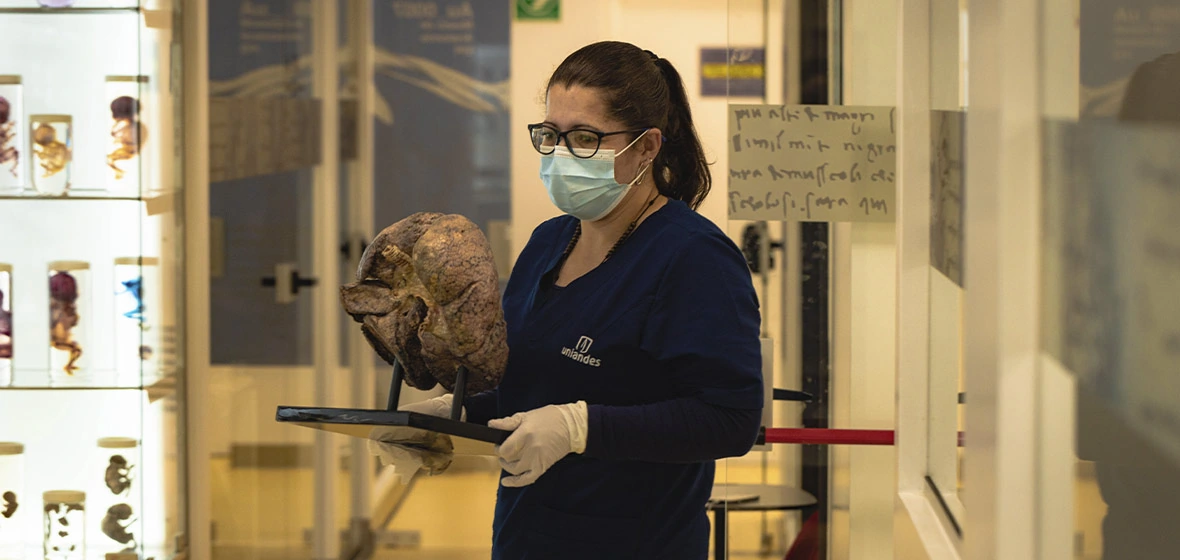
{"type": "Point", "coordinates": [620, 152]}
{"type": "Point", "coordinates": [639, 176]}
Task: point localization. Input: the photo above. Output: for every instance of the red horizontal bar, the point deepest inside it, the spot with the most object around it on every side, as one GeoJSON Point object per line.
{"type": "Point", "coordinates": [829, 436]}
{"type": "Point", "coordinates": [832, 436]}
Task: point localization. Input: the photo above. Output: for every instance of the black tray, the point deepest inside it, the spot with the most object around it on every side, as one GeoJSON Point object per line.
{"type": "Point", "coordinates": [467, 438]}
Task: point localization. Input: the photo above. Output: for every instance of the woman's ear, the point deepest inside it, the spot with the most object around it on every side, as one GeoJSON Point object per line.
{"type": "Point", "coordinates": [651, 143]}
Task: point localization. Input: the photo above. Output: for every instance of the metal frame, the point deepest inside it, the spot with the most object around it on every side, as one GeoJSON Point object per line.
{"type": "Point", "coordinates": [325, 255]}
{"type": "Point", "coordinates": [360, 228]}
{"type": "Point", "coordinates": [1013, 507]}
{"type": "Point", "coordinates": [813, 280]}
{"type": "Point", "coordinates": [196, 245]}
{"type": "Point", "coordinates": [1013, 512]}
{"type": "Point", "coordinates": [926, 508]}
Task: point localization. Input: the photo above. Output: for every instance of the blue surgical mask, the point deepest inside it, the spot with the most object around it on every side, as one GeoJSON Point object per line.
{"type": "Point", "coordinates": [585, 187]}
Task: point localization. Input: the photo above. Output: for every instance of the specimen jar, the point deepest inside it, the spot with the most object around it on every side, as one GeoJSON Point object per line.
{"type": "Point", "coordinates": [51, 138]}
{"type": "Point", "coordinates": [13, 501]}
{"type": "Point", "coordinates": [13, 143]}
{"type": "Point", "coordinates": [116, 496]}
{"type": "Point", "coordinates": [137, 329]}
{"type": "Point", "coordinates": [69, 310]}
{"type": "Point", "coordinates": [65, 525]}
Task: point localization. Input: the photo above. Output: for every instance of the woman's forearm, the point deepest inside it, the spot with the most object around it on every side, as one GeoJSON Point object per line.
{"type": "Point", "coordinates": [675, 431]}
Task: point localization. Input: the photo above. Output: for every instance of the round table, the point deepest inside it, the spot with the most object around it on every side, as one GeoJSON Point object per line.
{"type": "Point", "coordinates": [769, 498]}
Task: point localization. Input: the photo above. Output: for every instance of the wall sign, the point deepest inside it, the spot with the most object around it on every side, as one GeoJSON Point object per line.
{"type": "Point", "coordinates": [538, 10]}
{"type": "Point", "coordinates": [254, 136]}
{"type": "Point", "coordinates": [733, 72]}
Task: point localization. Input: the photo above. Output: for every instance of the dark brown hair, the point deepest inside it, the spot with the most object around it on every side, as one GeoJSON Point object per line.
{"type": "Point", "coordinates": [642, 90]}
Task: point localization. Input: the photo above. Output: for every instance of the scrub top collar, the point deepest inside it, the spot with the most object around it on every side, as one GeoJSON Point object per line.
{"type": "Point", "coordinates": [567, 233]}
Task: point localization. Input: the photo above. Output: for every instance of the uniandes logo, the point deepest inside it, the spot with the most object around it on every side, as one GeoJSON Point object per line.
{"type": "Point", "coordinates": [581, 352]}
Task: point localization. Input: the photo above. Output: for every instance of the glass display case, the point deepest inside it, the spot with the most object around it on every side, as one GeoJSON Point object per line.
{"type": "Point", "coordinates": [91, 285]}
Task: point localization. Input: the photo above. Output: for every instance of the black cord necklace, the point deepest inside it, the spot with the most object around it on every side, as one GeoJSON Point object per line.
{"type": "Point", "coordinates": [626, 234]}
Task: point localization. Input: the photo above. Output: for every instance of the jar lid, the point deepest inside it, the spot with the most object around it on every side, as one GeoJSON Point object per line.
{"type": "Point", "coordinates": [138, 79]}
{"type": "Point", "coordinates": [64, 497]}
{"type": "Point", "coordinates": [46, 119]}
{"type": "Point", "coordinates": [69, 265]}
{"type": "Point", "coordinates": [137, 261]}
{"type": "Point", "coordinates": [118, 443]}
{"type": "Point", "coordinates": [5, 267]}
{"type": "Point", "coordinates": [11, 448]}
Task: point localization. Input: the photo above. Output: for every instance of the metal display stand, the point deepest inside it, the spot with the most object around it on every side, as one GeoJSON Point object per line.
{"type": "Point", "coordinates": [467, 438]}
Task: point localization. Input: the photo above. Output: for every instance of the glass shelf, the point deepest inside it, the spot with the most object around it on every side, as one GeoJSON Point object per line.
{"type": "Point", "coordinates": [63, 11]}
{"type": "Point", "coordinates": [82, 195]}
{"type": "Point", "coordinates": [153, 19]}
{"type": "Point", "coordinates": [38, 380]}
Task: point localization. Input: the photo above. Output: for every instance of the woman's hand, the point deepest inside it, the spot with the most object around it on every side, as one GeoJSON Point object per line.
{"type": "Point", "coordinates": [540, 439]}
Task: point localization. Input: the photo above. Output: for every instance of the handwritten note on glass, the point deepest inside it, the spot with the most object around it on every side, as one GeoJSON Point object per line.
{"type": "Point", "coordinates": [812, 163]}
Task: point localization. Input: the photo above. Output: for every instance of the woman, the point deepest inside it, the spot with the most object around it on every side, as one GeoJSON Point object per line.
{"type": "Point", "coordinates": [632, 327]}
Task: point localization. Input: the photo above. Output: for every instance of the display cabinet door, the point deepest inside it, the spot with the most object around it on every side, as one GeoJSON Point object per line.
{"type": "Point", "coordinates": [267, 195]}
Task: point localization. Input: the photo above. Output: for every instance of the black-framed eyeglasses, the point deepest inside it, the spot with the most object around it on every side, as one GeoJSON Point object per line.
{"type": "Point", "coordinates": [581, 142]}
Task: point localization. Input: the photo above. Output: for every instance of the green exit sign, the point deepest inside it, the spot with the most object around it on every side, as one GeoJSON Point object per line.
{"type": "Point", "coordinates": [538, 10]}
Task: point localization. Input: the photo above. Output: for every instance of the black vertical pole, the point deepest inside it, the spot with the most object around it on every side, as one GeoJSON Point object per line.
{"type": "Point", "coordinates": [720, 543]}
{"type": "Point", "coordinates": [395, 387]}
{"type": "Point", "coordinates": [815, 272]}
{"type": "Point", "coordinates": [460, 393]}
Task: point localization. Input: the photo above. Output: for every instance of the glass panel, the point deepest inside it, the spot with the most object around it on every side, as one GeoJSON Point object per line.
{"type": "Point", "coordinates": [759, 496]}
{"type": "Point", "coordinates": [1109, 198]}
{"type": "Point", "coordinates": [442, 143]}
{"type": "Point", "coordinates": [947, 400]}
{"type": "Point", "coordinates": [778, 54]}
{"type": "Point", "coordinates": [441, 78]}
{"type": "Point", "coordinates": [1111, 179]}
{"type": "Point", "coordinates": [264, 145]}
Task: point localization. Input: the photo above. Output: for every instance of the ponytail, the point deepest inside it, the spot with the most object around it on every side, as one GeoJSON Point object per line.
{"type": "Point", "coordinates": [642, 90]}
{"type": "Point", "coordinates": [681, 171]}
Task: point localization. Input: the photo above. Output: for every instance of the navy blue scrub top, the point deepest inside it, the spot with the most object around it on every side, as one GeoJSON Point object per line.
{"type": "Point", "coordinates": [672, 314]}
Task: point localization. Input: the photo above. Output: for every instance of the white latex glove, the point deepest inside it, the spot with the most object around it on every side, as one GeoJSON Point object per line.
{"type": "Point", "coordinates": [438, 406]}
{"type": "Point", "coordinates": [540, 438]}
